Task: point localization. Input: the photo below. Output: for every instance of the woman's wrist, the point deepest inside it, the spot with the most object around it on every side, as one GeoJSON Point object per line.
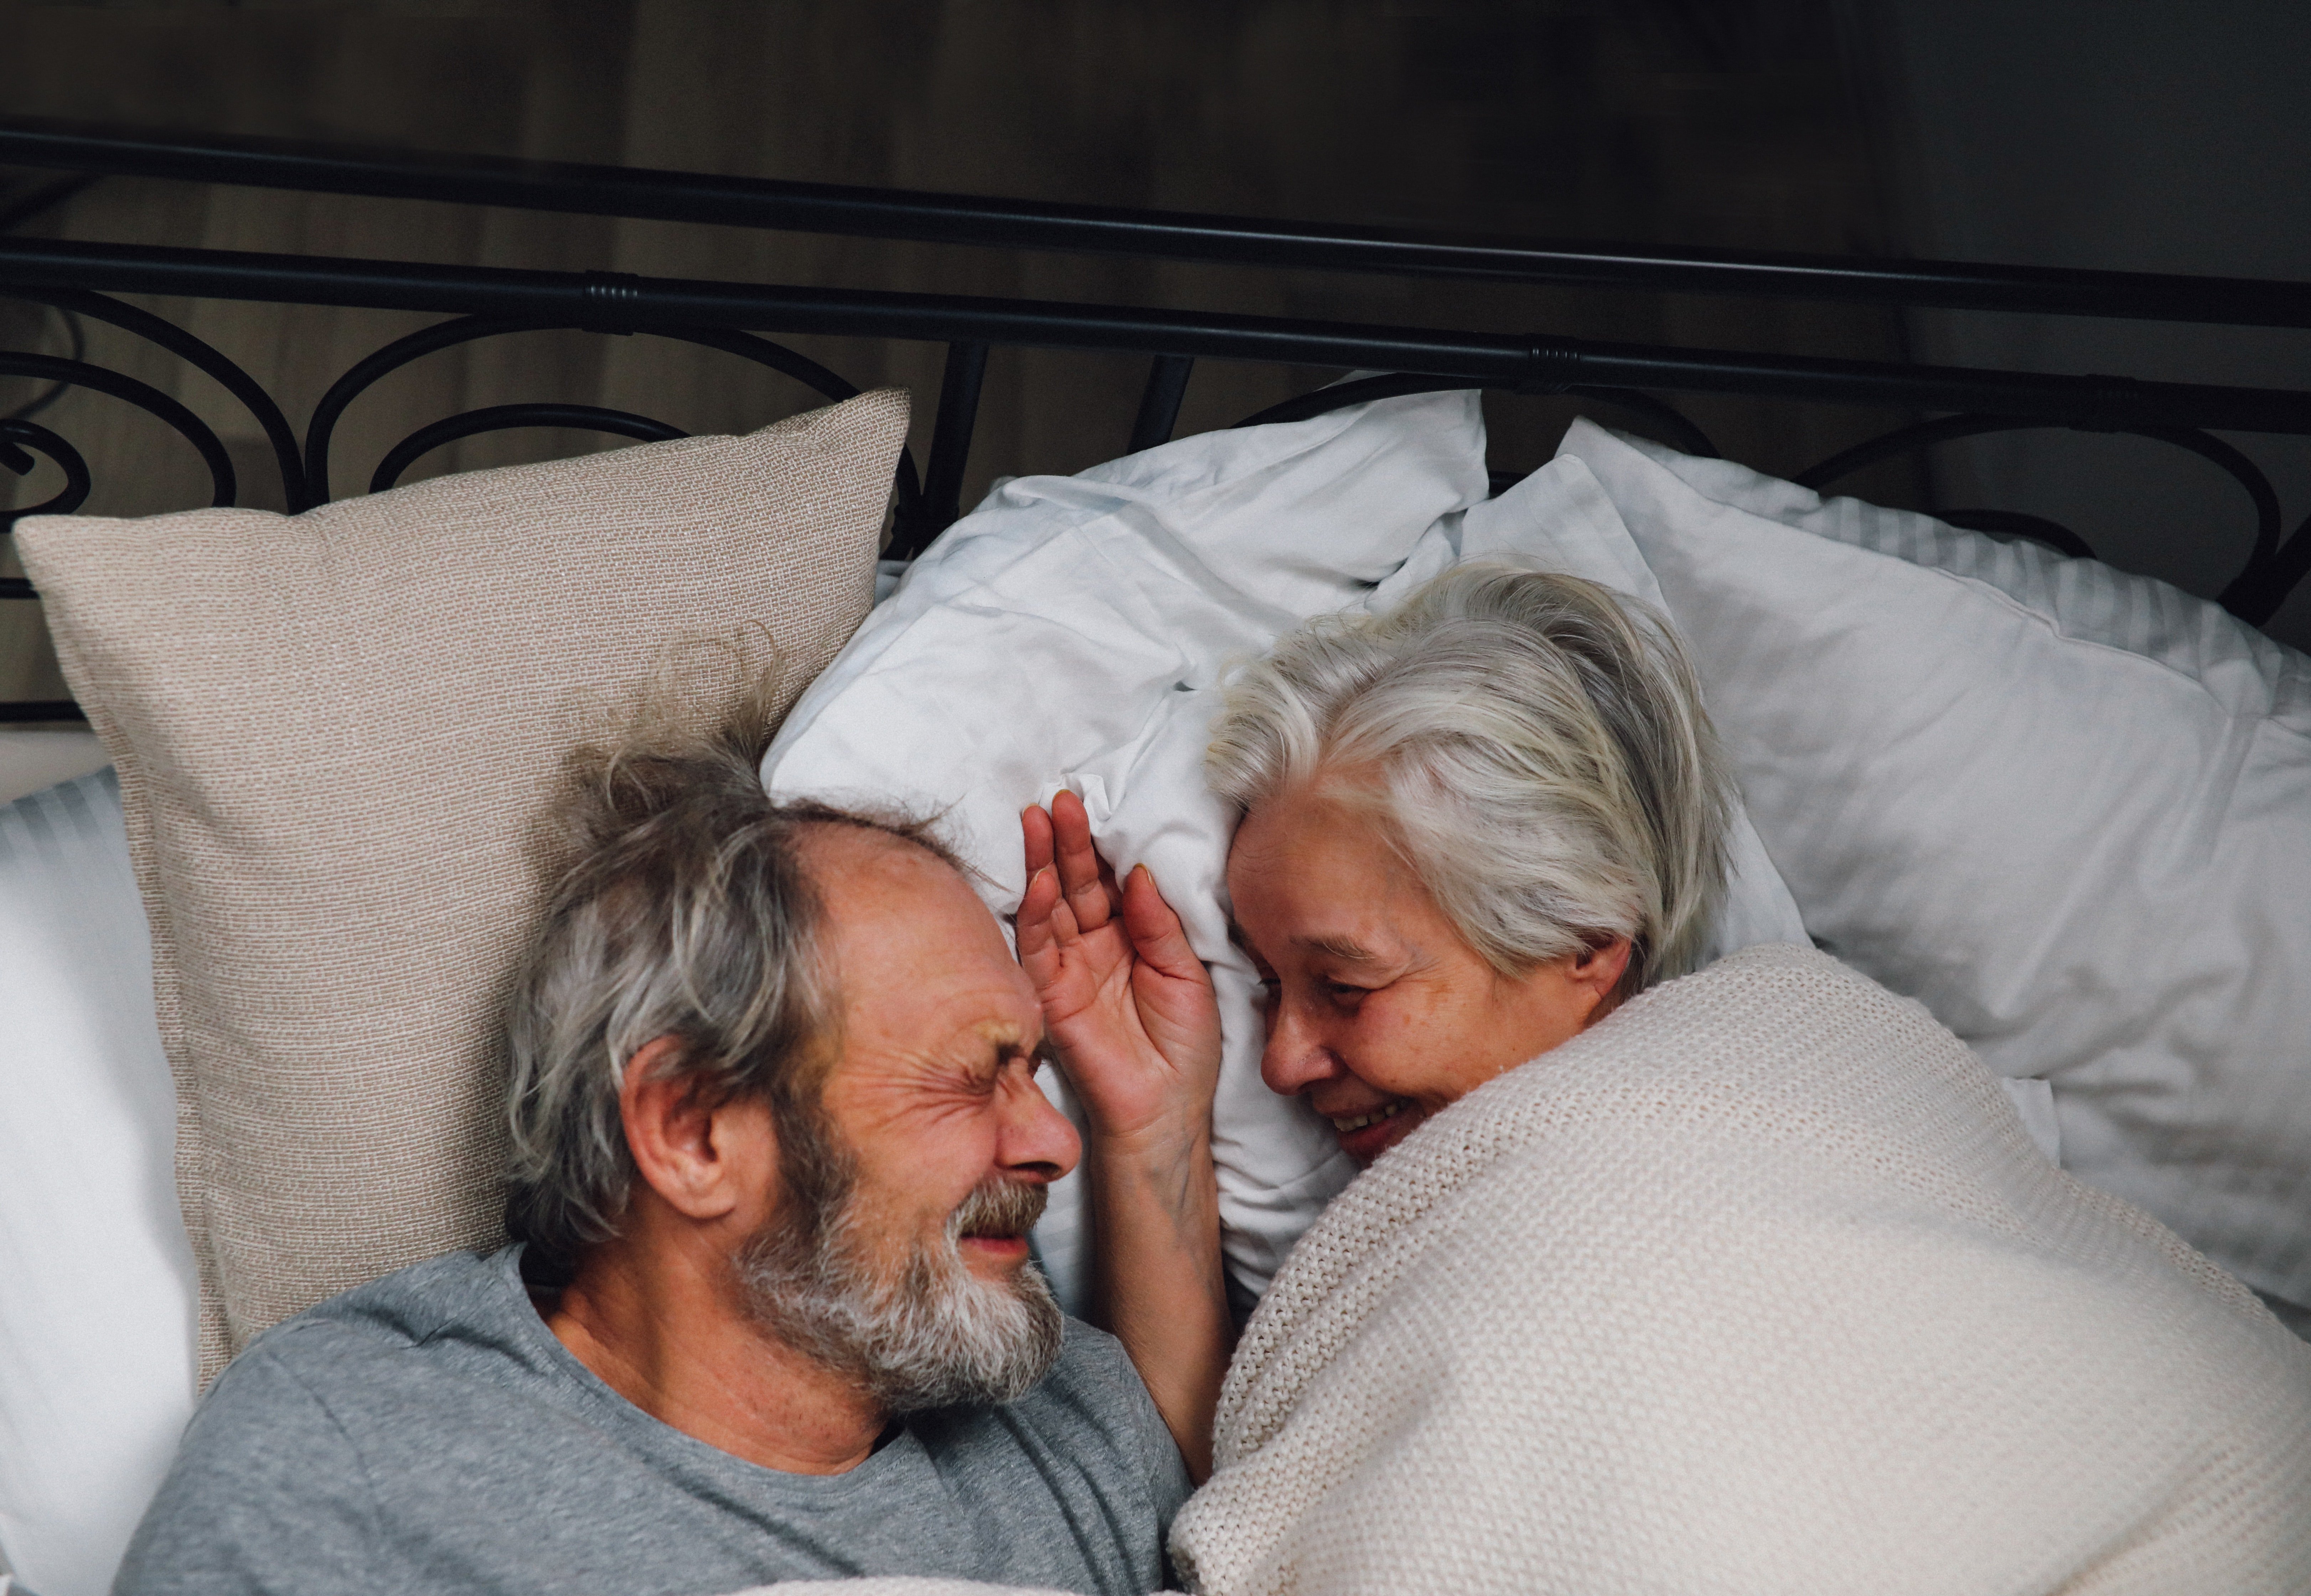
{"type": "Point", "coordinates": [1163, 1138]}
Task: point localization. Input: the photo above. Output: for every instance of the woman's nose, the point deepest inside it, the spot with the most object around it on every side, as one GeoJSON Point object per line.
{"type": "Point", "coordinates": [1295, 1057]}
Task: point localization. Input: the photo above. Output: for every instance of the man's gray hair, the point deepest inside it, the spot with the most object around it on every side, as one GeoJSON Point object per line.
{"type": "Point", "coordinates": [1536, 746]}
{"type": "Point", "coordinates": [688, 913]}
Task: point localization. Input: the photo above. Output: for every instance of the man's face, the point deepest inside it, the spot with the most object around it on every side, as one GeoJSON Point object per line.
{"type": "Point", "coordinates": [939, 1145]}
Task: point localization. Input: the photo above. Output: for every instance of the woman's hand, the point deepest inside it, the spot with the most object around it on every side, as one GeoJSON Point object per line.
{"type": "Point", "coordinates": [1127, 1005]}
{"type": "Point", "coordinates": [1129, 1010]}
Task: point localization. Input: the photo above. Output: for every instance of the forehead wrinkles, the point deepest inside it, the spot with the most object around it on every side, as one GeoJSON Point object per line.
{"type": "Point", "coordinates": [1353, 920]}
{"type": "Point", "coordinates": [952, 1023]}
{"type": "Point", "coordinates": [959, 991]}
{"type": "Point", "coordinates": [1332, 945]}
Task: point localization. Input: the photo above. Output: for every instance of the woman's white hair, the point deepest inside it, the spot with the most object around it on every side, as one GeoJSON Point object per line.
{"type": "Point", "coordinates": [1536, 746]}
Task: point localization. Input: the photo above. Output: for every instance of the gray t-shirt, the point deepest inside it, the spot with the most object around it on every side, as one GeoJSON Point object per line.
{"type": "Point", "coordinates": [429, 1433]}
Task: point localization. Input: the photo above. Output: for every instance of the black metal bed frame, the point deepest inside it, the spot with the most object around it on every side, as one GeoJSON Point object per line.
{"type": "Point", "coordinates": [78, 280]}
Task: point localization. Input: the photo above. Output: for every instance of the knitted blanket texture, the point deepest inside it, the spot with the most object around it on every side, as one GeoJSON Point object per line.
{"type": "Point", "coordinates": [1758, 1286]}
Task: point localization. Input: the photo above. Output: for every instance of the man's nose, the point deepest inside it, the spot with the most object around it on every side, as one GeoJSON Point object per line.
{"type": "Point", "coordinates": [1295, 1057]}
{"type": "Point", "coordinates": [1033, 1138]}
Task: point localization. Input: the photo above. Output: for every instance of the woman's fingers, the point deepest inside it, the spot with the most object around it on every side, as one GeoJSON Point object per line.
{"type": "Point", "coordinates": [1157, 934]}
{"type": "Point", "coordinates": [1114, 968]}
{"type": "Point", "coordinates": [1174, 993]}
{"type": "Point", "coordinates": [1044, 929]}
{"type": "Point", "coordinates": [1084, 877]}
{"type": "Point", "coordinates": [1035, 833]}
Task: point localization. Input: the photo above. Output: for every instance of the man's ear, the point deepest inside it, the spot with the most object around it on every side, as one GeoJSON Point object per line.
{"type": "Point", "coordinates": [705, 1160]}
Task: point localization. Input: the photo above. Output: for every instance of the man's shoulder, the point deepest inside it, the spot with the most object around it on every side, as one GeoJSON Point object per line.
{"type": "Point", "coordinates": [416, 1300]}
{"type": "Point", "coordinates": [1091, 1402]}
{"type": "Point", "coordinates": [279, 1470]}
{"type": "Point", "coordinates": [333, 1346]}
{"type": "Point", "coordinates": [1090, 1355]}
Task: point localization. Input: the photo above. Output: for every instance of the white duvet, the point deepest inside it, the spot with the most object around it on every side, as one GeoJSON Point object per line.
{"type": "Point", "coordinates": [1759, 1287]}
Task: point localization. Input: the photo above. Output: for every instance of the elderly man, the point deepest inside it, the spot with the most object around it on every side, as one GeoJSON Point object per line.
{"type": "Point", "coordinates": [770, 1312]}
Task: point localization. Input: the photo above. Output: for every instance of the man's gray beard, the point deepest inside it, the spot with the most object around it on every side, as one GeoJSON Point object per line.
{"type": "Point", "coordinates": [934, 1335]}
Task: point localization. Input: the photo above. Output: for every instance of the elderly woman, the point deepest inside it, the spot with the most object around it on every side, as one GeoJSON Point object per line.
{"type": "Point", "coordinates": [1755, 1285]}
{"type": "Point", "coordinates": [1471, 827]}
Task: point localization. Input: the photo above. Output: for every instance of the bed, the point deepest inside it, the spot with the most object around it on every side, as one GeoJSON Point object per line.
{"type": "Point", "coordinates": [1992, 684]}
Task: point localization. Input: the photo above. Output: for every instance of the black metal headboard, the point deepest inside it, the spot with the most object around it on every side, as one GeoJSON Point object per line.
{"type": "Point", "coordinates": [77, 280]}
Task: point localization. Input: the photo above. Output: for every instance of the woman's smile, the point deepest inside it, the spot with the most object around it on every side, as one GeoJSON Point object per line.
{"type": "Point", "coordinates": [1379, 1012]}
{"type": "Point", "coordinates": [1365, 1135]}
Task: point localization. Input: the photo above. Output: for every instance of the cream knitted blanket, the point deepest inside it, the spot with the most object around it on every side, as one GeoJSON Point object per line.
{"type": "Point", "coordinates": [1759, 1285]}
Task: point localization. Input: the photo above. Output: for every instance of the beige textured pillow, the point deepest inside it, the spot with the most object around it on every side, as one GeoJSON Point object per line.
{"type": "Point", "coordinates": [337, 734]}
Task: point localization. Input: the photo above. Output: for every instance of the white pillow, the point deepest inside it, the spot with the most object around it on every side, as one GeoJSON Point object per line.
{"type": "Point", "coordinates": [34, 757]}
{"type": "Point", "coordinates": [1071, 632]}
{"type": "Point", "coordinates": [2068, 808]}
{"type": "Point", "coordinates": [96, 1278]}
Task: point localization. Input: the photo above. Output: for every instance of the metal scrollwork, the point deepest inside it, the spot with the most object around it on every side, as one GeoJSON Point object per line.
{"type": "Point", "coordinates": [498, 418]}
{"type": "Point", "coordinates": [2252, 596]}
{"type": "Point", "coordinates": [203, 357]}
{"type": "Point", "coordinates": [76, 334]}
{"type": "Point", "coordinates": [926, 504]}
{"type": "Point", "coordinates": [72, 373]}
{"type": "Point", "coordinates": [17, 435]}
{"type": "Point", "coordinates": [320, 428]}
{"type": "Point", "coordinates": [305, 468]}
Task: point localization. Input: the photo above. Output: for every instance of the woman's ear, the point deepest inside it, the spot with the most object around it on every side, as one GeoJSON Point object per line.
{"type": "Point", "coordinates": [706, 1160]}
{"type": "Point", "coordinates": [1596, 972]}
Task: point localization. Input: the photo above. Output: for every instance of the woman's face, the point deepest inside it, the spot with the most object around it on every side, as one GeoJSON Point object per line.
{"type": "Point", "coordinates": [1378, 1012]}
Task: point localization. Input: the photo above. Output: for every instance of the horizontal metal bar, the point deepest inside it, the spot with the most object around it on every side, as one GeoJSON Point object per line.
{"type": "Point", "coordinates": [1174, 235]}
{"type": "Point", "coordinates": [1529, 365]}
{"type": "Point", "coordinates": [39, 711]}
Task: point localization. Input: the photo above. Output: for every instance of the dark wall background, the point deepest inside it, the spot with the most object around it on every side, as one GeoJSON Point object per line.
{"type": "Point", "coordinates": [2131, 134]}
{"type": "Point", "coordinates": [1787, 124]}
